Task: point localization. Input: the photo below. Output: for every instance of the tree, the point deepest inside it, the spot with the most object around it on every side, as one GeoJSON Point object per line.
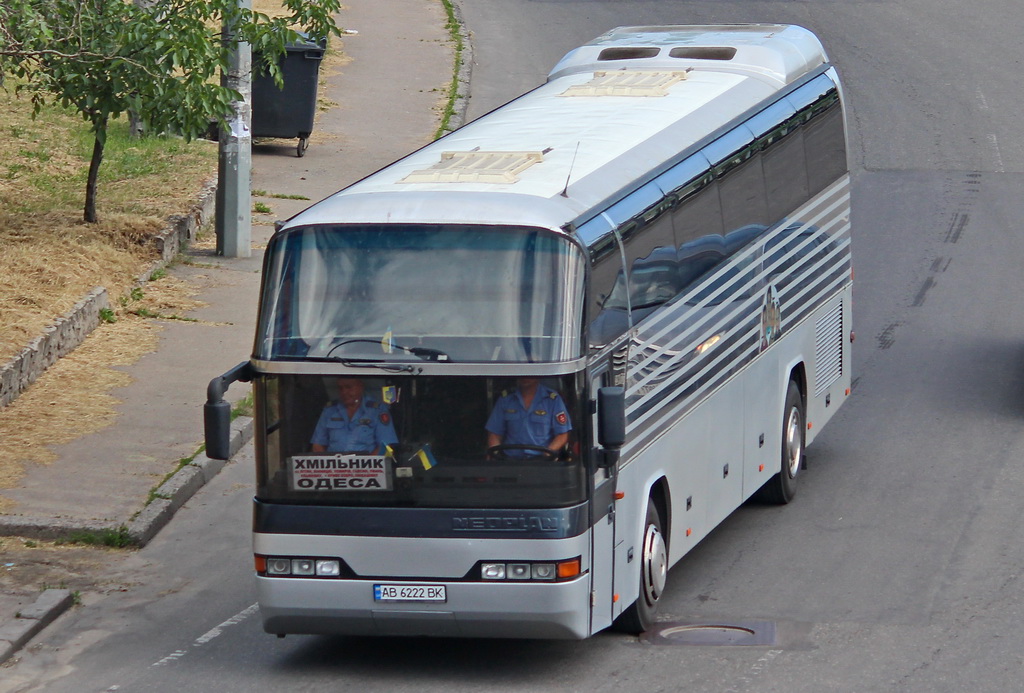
{"type": "Point", "coordinates": [107, 57]}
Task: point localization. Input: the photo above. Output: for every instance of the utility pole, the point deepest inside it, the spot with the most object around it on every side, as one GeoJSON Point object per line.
{"type": "Point", "coordinates": [234, 210]}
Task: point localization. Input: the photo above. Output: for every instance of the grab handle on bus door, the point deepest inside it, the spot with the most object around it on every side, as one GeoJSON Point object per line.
{"type": "Point", "coordinates": [217, 412]}
{"type": "Point", "coordinates": [611, 424]}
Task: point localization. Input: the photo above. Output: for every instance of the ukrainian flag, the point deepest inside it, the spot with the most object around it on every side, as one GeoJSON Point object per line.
{"type": "Point", "coordinates": [426, 457]}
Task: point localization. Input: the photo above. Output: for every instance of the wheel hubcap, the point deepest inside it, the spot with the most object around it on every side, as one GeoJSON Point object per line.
{"type": "Point", "coordinates": [655, 565]}
{"type": "Point", "coordinates": [794, 442]}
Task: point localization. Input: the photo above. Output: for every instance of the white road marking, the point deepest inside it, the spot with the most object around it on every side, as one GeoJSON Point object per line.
{"type": "Point", "coordinates": [998, 155]}
{"type": "Point", "coordinates": [982, 101]}
{"type": "Point", "coordinates": [209, 635]}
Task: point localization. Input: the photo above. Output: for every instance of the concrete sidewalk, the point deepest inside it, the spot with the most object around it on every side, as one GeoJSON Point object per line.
{"type": "Point", "coordinates": [382, 104]}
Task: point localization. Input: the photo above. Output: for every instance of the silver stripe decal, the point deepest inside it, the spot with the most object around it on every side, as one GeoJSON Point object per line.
{"type": "Point", "coordinates": [668, 386]}
{"type": "Point", "coordinates": [676, 320]}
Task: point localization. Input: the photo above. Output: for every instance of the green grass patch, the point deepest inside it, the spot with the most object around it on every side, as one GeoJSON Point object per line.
{"type": "Point", "coordinates": [458, 43]}
{"type": "Point", "coordinates": [49, 160]}
{"type": "Point", "coordinates": [157, 315]}
{"type": "Point", "coordinates": [243, 407]}
{"type": "Point", "coordinates": [117, 538]}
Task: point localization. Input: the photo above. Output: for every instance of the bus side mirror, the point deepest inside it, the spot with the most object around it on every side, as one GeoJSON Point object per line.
{"type": "Point", "coordinates": [217, 412]}
{"type": "Point", "coordinates": [611, 423]}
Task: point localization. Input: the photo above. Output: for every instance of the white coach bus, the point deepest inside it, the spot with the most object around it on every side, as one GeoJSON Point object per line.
{"type": "Point", "coordinates": [580, 331]}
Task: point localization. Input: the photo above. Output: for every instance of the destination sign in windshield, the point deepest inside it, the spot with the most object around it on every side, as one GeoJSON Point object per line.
{"type": "Point", "coordinates": [340, 473]}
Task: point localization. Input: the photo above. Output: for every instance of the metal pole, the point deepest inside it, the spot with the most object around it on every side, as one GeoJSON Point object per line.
{"type": "Point", "coordinates": [234, 209]}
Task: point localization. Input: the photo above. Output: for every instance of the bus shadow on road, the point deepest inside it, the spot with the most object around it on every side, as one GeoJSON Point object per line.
{"type": "Point", "coordinates": [484, 660]}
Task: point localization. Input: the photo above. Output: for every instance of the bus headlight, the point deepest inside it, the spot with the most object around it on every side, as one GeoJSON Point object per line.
{"type": "Point", "coordinates": [537, 572]}
{"type": "Point", "coordinates": [303, 566]}
{"type": "Point", "coordinates": [492, 571]}
{"type": "Point", "coordinates": [328, 568]}
{"type": "Point", "coordinates": [307, 567]}
{"type": "Point", "coordinates": [543, 571]}
{"type": "Point", "coordinates": [519, 571]}
{"type": "Point", "coordinates": [279, 566]}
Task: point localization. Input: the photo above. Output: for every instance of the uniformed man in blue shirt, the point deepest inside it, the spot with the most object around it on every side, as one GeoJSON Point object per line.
{"type": "Point", "coordinates": [354, 423]}
{"type": "Point", "coordinates": [532, 415]}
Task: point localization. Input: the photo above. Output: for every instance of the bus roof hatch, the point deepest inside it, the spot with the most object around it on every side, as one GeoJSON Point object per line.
{"type": "Point", "coordinates": [627, 83]}
{"type": "Point", "coordinates": [476, 167]}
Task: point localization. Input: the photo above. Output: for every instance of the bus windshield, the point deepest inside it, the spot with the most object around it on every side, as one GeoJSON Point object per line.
{"type": "Point", "coordinates": [453, 293]}
{"type": "Point", "coordinates": [420, 441]}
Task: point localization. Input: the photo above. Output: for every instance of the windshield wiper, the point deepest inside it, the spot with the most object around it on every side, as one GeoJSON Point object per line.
{"type": "Point", "coordinates": [381, 364]}
{"type": "Point", "coordinates": [427, 353]}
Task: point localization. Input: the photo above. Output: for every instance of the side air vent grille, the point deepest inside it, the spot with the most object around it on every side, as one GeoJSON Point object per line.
{"type": "Point", "coordinates": [828, 349]}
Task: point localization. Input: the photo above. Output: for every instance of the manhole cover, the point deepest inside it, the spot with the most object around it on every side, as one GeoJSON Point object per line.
{"type": "Point", "coordinates": [751, 633]}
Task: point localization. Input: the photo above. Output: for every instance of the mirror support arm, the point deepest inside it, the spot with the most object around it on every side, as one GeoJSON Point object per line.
{"type": "Point", "coordinates": [217, 411]}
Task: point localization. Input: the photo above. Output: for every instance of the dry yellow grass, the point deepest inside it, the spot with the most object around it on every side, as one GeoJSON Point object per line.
{"type": "Point", "coordinates": [44, 274]}
{"type": "Point", "coordinates": [73, 397]}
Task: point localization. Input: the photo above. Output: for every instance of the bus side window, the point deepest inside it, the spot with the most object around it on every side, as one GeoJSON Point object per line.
{"type": "Point", "coordinates": [780, 140]}
{"type": "Point", "coordinates": [645, 227]}
{"type": "Point", "coordinates": [736, 164]}
{"type": "Point", "coordinates": [696, 219]}
{"type": "Point", "coordinates": [607, 309]}
{"type": "Point", "coordinates": [817, 105]}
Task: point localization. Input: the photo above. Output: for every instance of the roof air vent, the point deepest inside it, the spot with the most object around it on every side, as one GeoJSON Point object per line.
{"type": "Point", "coordinates": [628, 53]}
{"type": "Point", "coordinates": [703, 53]}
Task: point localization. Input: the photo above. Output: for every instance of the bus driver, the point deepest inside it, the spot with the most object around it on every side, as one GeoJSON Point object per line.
{"type": "Point", "coordinates": [532, 415]}
{"type": "Point", "coordinates": [354, 423]}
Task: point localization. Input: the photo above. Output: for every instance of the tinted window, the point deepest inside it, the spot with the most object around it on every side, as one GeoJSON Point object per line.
{"type": "Point", "coordinates": [470, 293]}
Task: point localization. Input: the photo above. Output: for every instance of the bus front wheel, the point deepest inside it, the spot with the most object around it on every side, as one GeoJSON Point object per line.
{"type": "Point", "coordinates": [781, 488]}
{"type": "Point", "coordinates": [640, 615]}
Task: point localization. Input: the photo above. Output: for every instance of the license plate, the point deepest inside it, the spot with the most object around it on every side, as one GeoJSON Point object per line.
{"type": "Point", "coordinates": [410, 593]}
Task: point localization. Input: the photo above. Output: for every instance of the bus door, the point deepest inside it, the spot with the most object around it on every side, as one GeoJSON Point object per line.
{"type": "Point", "coordinates": [603, 540]}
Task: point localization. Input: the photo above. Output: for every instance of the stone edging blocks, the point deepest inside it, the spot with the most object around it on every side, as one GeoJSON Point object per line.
{"type": "Point", "coordinates": [17, 632]}
{"type": "Point", "coordinates": [69, 331]}
{"type": "Point", "coordinates": [57, 340]}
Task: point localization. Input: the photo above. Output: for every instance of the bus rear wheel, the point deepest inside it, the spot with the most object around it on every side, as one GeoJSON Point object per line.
{"type": "Point", "coordinates": [640, 615]}
{"type": "Point", "coordinates": [781, 488]}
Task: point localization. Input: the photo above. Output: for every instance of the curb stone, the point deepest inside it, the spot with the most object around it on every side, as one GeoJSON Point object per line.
{"type": "Point", "coordinates": [172, 494]}
{"type": "Point", "coordinates": [29, 621]}
{"type": "Point", "coordinates": [465, 68]}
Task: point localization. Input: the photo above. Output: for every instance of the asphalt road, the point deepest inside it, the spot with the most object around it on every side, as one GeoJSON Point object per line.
{"type": "Point", "coordinates": [899, 566]}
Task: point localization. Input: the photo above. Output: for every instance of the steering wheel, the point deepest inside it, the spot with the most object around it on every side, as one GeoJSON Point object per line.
{"type": "Point", "coordinates": [500, 452]}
